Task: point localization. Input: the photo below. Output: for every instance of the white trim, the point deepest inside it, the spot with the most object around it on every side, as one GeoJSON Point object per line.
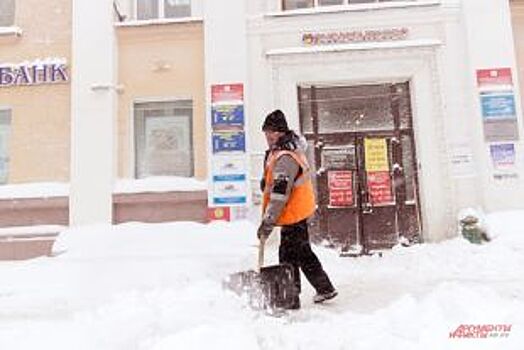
{"type": "Point", "coordinates": [158, 21]}
{"type": "Point", "coordinates": [13, 30]}
{"type": "Point", "coordinates": [353, 8]}
{"type": "Point", "coordinates": [161, 99]}
{"type": "Point", "coordinates": [400, 44]}
{"type": "Point", "coordinates": [161, 9]}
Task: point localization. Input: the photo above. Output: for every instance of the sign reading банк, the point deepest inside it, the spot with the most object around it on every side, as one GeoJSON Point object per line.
{"type": "Point", "coordinates": [37, 72]}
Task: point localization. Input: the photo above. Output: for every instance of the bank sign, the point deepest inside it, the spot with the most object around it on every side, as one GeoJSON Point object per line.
{"type": "Point", "coordinates": [37, 72]}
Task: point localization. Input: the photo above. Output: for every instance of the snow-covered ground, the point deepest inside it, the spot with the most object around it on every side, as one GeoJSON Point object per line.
{"type": "Point", "coordinates": [158, 286]}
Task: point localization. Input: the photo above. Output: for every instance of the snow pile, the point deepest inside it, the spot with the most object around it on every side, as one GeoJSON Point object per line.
{"type": "Point", "coordinates": [158, 286]}
{"type": "Point", "coordinates": [61, 189]}
{"type": "Point", "coordinates": [34, 190]}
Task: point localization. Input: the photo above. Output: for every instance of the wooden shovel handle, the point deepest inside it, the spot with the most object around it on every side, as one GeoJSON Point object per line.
{"type": "Point", "coordinates": [261, 245]}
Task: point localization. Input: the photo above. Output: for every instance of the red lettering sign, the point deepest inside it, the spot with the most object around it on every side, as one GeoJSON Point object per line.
{"type": "Point", "coordinates": [340, 184]}
{"type": "Point", "coordinates": [379, 187]}
{"type": "Point", "coordinates": [227, 92]}
{"type": "Point", "coordinates": [495, 76]}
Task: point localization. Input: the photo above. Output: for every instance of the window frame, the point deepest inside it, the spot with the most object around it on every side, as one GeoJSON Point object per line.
{"type": "Point", "coordinates": [13, 17]}
{"type": "Point", "coordinates": [161, 15]}
{"type": "Point", "coordinates": [316, 4]}
{"type": "Point", "coordinates": [134, 170]}
{"type": "Point", "coordinates": [9, 123]}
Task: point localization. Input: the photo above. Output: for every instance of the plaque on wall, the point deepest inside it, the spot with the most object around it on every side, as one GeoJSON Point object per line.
{"type": "Point", "coordinates": [341, 158]}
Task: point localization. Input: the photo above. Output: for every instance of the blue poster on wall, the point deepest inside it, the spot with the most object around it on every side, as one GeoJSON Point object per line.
{"type": "Point", "coordinates": [498, 105]}
{"type": "Point", "coordinates": [229, 141]}
{"type": "Point", "coordinates": [227, 115]}
{"type": "Point", "coordinates": [503, 155]}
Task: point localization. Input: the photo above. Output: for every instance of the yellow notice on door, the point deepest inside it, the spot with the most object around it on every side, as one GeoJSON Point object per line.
{"type": "Point", "coordinates": [376, 154]}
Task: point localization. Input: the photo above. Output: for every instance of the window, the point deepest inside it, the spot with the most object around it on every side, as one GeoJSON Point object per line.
{"type": "Point", "coordinates": [151, 9]}
{"type": "Point", "coordinates": [5, 128]}
{"type": "Point", "coordinates": [296, 4]}
{"type": "Point", "coordinates": [330, 2]}
{"type": "Point", "coordinates": [7, 13]}
{"type": "Point", "coordinates": [163, 139]}
{"type": "Point", "coordinates": [300, 4]}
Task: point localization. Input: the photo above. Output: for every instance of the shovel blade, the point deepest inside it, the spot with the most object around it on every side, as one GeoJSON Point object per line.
{"type": "Point", "coordinates": [273, 288]}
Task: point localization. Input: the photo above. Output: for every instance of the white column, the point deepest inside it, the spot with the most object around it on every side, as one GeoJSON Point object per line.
{"type": "Point", "coordinates": [491, 45]}
{"type": "Point", "coordinates": [225, 63]}
{"type": "Point", "coordinates": [93, 108]}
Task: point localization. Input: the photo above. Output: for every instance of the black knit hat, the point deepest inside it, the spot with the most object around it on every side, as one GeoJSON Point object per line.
{"type": "Point", "coordinates": [275, 121]}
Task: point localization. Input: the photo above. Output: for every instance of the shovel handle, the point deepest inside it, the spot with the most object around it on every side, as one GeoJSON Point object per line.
{"type": "Point", "coordinates": [261, 245]}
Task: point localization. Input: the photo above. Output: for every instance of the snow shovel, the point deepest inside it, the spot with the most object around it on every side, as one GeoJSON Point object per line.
{"type": "Point", "coordinates": [271, 287]}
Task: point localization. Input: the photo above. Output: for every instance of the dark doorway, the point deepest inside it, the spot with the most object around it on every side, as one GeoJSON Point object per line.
{"type": "Point", "coordinates": [363, 152]}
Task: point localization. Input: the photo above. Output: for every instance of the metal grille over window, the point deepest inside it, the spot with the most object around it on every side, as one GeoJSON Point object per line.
{"type": "Point", "coordinates": [7, 13]}
{"type": "Point", "coordinates": [5, 127]}
{"type": "Point", "coordinates": [163, 139]}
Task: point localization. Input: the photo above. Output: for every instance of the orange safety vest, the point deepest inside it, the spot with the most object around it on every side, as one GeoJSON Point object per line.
{"type": "Point", "coordinates": [301, 201]}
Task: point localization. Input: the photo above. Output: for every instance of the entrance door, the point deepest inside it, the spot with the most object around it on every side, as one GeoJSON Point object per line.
{"type": "Point", "coordinates": [362, 148]}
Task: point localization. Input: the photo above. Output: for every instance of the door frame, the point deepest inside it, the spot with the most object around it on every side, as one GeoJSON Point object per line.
{"type": "Point", "coordinates": [358, 137]}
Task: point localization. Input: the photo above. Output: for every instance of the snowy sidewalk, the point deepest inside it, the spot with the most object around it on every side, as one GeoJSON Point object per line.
{"type": "Point", "coordinates": [158, 286]}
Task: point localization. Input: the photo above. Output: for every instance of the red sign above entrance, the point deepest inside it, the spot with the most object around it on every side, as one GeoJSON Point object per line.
{"type": "Point", "coordinates": [340, 184]}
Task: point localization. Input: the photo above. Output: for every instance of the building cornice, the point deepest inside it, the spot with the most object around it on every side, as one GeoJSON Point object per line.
{"type": "Point", "coordinates": [400, 44]}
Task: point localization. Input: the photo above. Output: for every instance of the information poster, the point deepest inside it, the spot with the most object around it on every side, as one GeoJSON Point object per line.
{"type": "Point", "coordinates": [504, 157]}
{"type": "Point", "coordinates": [340, 185]}
{"type": "Point", "coordinates": [228, 168]}
{"type": "Point", "coordinates": [229, 141]}
{"type": "Point", "coordinates": [497, 104]}
{"type": "Point", "coordinates": [379, 187]}
{"type": "Point", "coordinates": [461, 159]}
{"type": "Point", "coordinates": [494, 77]}
{"type": "Point", "coordinates": [225, 115]}
{"type": "Point", "coordinates": [376, 154]}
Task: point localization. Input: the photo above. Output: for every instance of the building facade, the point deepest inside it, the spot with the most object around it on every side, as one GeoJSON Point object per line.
{"type": "Point", "coordinates": [411, 109]}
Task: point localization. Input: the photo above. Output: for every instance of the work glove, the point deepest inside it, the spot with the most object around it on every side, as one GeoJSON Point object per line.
{"type": "Point", "coordinates": [264, 230]}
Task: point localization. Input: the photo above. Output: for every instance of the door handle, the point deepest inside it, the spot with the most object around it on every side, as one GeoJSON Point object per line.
{"type": "Point", "coordinates": [397, 169]}
{"type": "Point", "coordinates": [367, 207]}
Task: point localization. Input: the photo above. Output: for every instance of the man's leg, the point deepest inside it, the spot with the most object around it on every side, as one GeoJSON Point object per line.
{"type": "Point", "coordinates": [308, 261]}
{"type": "Point", "coordinates": [288, 254]}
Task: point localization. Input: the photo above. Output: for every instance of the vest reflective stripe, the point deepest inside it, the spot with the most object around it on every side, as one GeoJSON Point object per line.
{"type": "Point", "coordinates": [301, 201]}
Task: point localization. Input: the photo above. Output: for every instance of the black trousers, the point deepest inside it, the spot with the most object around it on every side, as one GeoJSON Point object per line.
{"type": "Point", "coordinates": [295, 249]}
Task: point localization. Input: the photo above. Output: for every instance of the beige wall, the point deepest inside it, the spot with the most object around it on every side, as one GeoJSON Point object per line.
{"type": "Point", "coordinates": [159, 62]}
{"type": "Point", "coordinates": [39, 140]}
